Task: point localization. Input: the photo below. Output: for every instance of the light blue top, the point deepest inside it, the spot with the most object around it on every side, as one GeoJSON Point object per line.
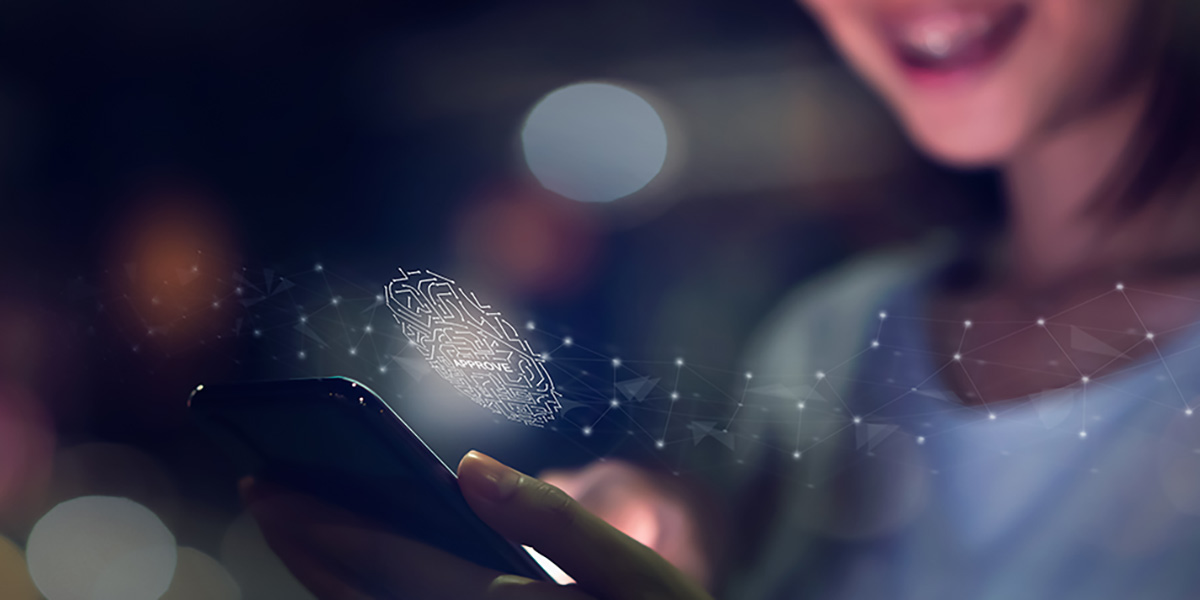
{"type": "Point", "coordinates": [928, 498]}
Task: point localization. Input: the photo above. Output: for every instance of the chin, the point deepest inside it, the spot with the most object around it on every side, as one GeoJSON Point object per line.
{"type": "Point", "coordinates": [964, 146]}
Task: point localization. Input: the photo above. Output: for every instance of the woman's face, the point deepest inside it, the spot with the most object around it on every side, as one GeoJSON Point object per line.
{"type": "Point", "coordinates": [973, 81]}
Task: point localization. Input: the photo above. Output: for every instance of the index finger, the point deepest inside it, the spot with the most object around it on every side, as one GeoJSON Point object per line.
{"type": "Point", "coordinates": [605, 562]}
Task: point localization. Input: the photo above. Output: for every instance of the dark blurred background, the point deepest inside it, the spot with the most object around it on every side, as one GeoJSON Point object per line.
{"type": "Point", "coordinates": [151, 151]}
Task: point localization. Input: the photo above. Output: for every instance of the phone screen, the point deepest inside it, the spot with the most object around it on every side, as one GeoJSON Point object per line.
{"type": "Point", "coordinates": [336, 440]}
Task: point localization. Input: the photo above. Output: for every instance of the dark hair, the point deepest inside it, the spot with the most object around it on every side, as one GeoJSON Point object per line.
{"type": "Point", "coordinates": [1167, 143]}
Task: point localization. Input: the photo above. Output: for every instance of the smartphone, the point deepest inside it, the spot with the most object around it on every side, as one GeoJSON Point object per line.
{"type": "Point", "coordinates": [335, 439]}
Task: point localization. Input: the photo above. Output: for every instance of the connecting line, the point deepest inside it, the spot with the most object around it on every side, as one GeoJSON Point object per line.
{"type": "Point", "coordinates": [820, 441]}
{"type": "Point", "coordinates": [337, 308]}
{"type": "Point", "coordinates": [978, 394]}
{"type": "Point", "coordinates": [800, 418]}
{"type": "Point", "coordinates": [958, 358]}
{"type": "Point", "coordinates": [674, 399]}
{"type": "Point", "coordinates": [739, 404]}
{"type": "Point", "coordinates": [838, 396]}
{"type": "Point", "coordinates": [1154, 344]}
{"type": "Point", "coordinates": [1053, 316]}
{"type": "Point", "coordinates": [616, 364]}
{"type": "Point", "coordinates": [1083, 417]}
{"type": "Point", "coordinates": [1067, 356]}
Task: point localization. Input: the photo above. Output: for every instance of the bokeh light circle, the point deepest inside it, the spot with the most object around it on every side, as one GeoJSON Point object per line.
{"type": "Point", "coordinates": [101, 548]}
{"type": "Point", "coordinates": [15, 583]}
{"type": "Point", "coordinates": [594, 142]}
{"type": "Point", "coordinates": [199, 576]}
{"type": "Point", "coordinates": [258, 571]}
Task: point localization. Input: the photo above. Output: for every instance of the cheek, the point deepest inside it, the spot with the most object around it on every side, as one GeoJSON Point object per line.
{"type": "Point", "coordinates": [1093, 50]}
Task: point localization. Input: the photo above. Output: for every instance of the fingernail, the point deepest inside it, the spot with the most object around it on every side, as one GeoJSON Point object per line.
{"type": "Point", "coordinates": [489, 479]}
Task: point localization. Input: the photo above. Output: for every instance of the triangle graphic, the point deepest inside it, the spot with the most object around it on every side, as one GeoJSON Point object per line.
{"type": "Point", "coordinates": [1053, 407]}
{"type": "Point", "coordinates": [873, 434]}
{"type": "Point", "coordinates": [707, 429]}
{"type": "Point", "coordinates": [636, 390]}
{"type": "Point", "coordinates": [307, 331]}
{"type": "Point", "coordinates": [284, 284]}
{"type": "Point", "coordinates": [1082, 340]}
{"type": "Point", "coordinates": [246, 282]}
{"type": "Point", "coordinates": [570, 405]}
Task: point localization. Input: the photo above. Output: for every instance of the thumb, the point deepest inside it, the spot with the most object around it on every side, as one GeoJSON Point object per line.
{"type": "Point", "coordinates": [604, 561]}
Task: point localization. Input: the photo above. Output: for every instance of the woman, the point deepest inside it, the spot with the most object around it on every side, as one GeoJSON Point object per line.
{"type": "Point", "coordinates": [1015, 420]}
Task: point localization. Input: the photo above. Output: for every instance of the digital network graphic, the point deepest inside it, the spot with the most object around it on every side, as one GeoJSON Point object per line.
{"type": "Point", "coordinates": [473, 347]}
{"type": "Point", "coordinates": [313, 322]}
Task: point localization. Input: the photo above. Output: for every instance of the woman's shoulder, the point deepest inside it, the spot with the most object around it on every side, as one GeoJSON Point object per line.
{"type": "Point", "coordinates": [829, 314]}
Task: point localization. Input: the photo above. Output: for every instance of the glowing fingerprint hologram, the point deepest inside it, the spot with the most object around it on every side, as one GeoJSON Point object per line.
{"type": "Point", "coordinates": [473, 347]}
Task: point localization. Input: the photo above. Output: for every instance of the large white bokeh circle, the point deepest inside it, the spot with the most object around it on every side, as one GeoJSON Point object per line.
{"type": "Point", "coordinates": [594, 142]}
{"type": "Point", "coordinates": [101, 548]}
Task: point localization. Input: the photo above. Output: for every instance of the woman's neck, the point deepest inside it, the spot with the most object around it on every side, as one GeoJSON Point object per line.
{"type": "Point", "coordinates": [1056, 233]}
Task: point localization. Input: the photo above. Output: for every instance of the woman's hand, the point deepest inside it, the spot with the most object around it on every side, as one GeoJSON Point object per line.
{"type": "Point", "coordinates": [661, 513]}
{"type": "Point", "coordinates": [340, 557]}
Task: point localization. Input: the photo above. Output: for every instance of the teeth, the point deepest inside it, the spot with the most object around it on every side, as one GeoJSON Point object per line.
{"type": "Point", "coordinates": [941, 36]}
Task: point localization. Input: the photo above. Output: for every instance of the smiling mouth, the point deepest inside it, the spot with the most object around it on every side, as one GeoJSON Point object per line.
{"type": "Point", "coordinates": [953, 40]}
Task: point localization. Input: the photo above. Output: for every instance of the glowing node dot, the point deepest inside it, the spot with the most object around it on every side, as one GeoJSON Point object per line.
{"type": "Point", "coordinates": [383, 369]}
{"type": "Point", "coordinates": [368, 329]}
{"type": "Point", "coordinates": [335, 301]}
{"type": "Point", "coordinates": [530, 325]}
{"type": "Point", "coordinates": [567, 341]}
{"type": "Point", "coordinates": [882, 314]}
{"type": "Point", "coordinates": [874, 343]}
{"type": "Point", "coordinates": [1120, 287]}
{"type": "Point", "coordinates": [616, 362]}
{"type": "Point", "coordinates": [800, 405]}
{"type": "Point", "coordinates": [354, 352]}
{"type": "Point", "coordinates": [614, 403]}
{"type": "Point", "coordinates": [257, 333]}
{"type": "Point", "coordinates": [301, 355]}
{"type": "Point", "coordinates": [1188, 412]}
{"type": "Point", "coordinates": [967, 324]}
{"type": "Point", "coordinates": [1149, 335]}
{"type": "Point", "coordinates": [957, 356]}
{"type": "Point", "coordinates": [319, 267]}
{"type": "Point", "coordinates": [379, 297]}
{"type": "Point", "coordinates": [1041, 322]}
{"type": "Point", "coordinates": [857, 420]}
{"type": "Point", "coordinates": [303, 319]}
{"type": "Point", "coordinates": [545, 356]}
{"type": "Point", "coordinates": [1082, 434]}
{"type": "Point", "coordinates": [660, 444]}
{"type": "Point", "coordinates": [1086, 379]}
{"type": "Point", "coordinates": [749, 375]}
{"type": "Point", "coordinates": [674, 395]}
{"type": "Point", "coordinates": [992, 416]}
{"type": "Point", "coordinates": [820, 374]}
{"type": "Point", "coordinates": [921, 439]}
{"type": "Point", "coordinates": [796, 455]}
{"type": "Point", "coordinates": [587, 431]}
{"type": "Point", "coordinates": [679, 362]}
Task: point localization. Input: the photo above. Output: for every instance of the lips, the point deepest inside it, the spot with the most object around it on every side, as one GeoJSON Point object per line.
{"type": "Point", "coordinates": [953, 40]}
